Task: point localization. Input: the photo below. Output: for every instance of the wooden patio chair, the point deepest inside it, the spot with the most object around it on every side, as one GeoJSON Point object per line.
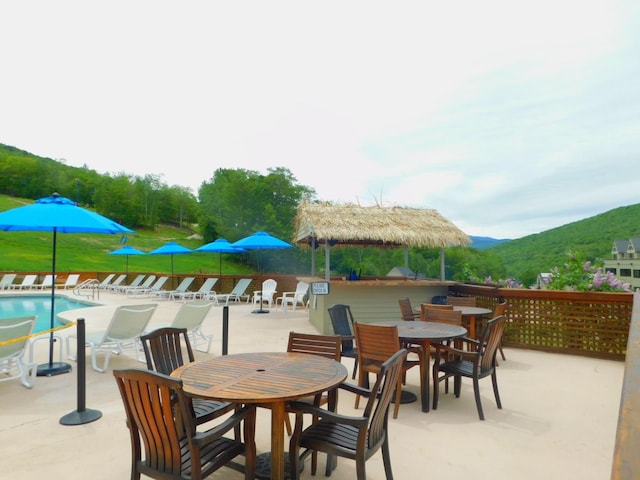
{"type": "Point", "coordinates": [476, 363]}
{"type": "Point", "coordinates": [406, 310]}
{"type": "Point", "coordinates": [166, 349]}
{"type": "Point", "coordinates": [357, 438]}
{"type": "Point", "coordinates": [161, 425]}
{"type": "Point", "coordinates": [376, 344]}
{"type": "Point", "coordinates": [327, 346]}
{"type": "Point", "coordinates": [461, 301]}
{"type": "Point", "coordinates": [342, 323]}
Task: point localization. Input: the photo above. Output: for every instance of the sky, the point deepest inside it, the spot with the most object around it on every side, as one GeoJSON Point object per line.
{"type": "Point", "coordinates": [509, 118]}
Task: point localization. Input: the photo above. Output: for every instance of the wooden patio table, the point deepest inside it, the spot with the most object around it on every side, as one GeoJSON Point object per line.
{"type": "Point", "coordinates": [271, 379]}
{"type": "Point", "coordinates": [423, 333]}
{"type": "Point", "coordinates": [473, 314]}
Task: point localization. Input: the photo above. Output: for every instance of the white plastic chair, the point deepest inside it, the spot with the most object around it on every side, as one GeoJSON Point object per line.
{"type": "Point", "coordinates": [14, 338]}
{"type": "Point", "coordinates": [46, 283]}
{"type": "Point", "coordinates": [294, 298]}
{"type": "Point", "coordinates": [122, 333]}
{"type": "Point", "coordinates": [267, 293]}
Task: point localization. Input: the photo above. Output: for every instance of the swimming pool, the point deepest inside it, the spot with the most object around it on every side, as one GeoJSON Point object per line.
{"type": "Point", "coordinates": [40, 305]}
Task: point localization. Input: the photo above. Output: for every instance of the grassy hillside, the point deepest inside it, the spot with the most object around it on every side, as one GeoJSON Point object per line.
{"type": "Point", "coordinates": [526, 257]}
{"type": "Point", "coordinates": [31, 251]}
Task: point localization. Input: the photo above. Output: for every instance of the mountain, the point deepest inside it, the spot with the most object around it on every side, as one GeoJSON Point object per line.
{"type": "Point", "coordinates": [525, 257]}
{"type": "Point", "coordinates": [482, 243]}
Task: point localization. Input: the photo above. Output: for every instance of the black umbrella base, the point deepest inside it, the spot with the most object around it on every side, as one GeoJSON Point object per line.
{"type": "Point", "coordinates": [260, 311]}
{"type": "Point", "coordinates": [405, 397]}
{"type": "Point", "coordinates": [80, 418]}
{"type": "Point", "coordinates": [51, 369]}
{"type": "Point", "coordinates": [263, 466]}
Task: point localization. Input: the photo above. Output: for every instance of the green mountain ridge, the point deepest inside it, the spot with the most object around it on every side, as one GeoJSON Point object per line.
{"type": "Point", "coordinates": [526, 257]}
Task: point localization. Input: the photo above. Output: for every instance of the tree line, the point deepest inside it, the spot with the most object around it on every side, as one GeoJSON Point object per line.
{"type": "Point", "coordinates": [232, 204]}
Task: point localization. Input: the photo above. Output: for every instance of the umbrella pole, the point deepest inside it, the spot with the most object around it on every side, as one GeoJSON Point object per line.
{"type": "Point", "coordinates": [260, 309]}
{"type": "Point", "coordinates": [51, 368]}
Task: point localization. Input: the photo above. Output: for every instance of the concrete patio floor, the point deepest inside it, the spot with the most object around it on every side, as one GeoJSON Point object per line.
{"type": "Point", "coordinates": [558, 420]}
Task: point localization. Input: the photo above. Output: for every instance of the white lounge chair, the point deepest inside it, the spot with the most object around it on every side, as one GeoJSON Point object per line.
{"type": "Point", "coordinates": [237, 294]}
{"type": "Point", "coordinates": [139, 286]}
{"type": "Point", "coordinates": [46, 282]}
{"type": "Point", "coordinates": [154, 290]}
{"type": "Point", "coordinates": [205, 291]}
{"type": "Point", "coordinates": [27, 282]}
{"type": "Point", "coordinates": [180, 290]}
{"type": "Point", "coordinates": [136, 283]}
{"type": "Point", "coordinates": [72, 281]}
{"type": "Point", "coordinates": [115, 284]}
{"type": "Point", "coordinates": [123, 332]}
{"type": "Point", "coordinates": [191, 315]}
{"type": "Point", "coordinates": [7, 281]}
{"type": "Point", "coordinates": [107, 281]}
{"type": "Point", "coordinates": [266, 294]}
{"type": "Point", "coordinates": [16, 331]}
{"type": "Point", "coordinates": [294, 298]}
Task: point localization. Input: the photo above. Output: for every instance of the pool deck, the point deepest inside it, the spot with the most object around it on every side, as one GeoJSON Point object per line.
{"type": "Point", "coordinates": [558, 420]}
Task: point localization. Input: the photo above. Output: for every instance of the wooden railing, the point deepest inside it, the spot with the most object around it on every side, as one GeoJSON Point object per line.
{"type": "Point", "coordinates": [579, 323]}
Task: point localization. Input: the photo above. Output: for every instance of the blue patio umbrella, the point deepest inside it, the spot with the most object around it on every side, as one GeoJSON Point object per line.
{"type": "Point", "coordinates": [57, 214]}
{"type": "Point", "coordinates": [261, 241]}
{"type": "Point", "coordinates": [127, 251]}
{"type": "Point", "coordinates": [220, 246]}
{"type": "Point", "coordinates": [171, 248]}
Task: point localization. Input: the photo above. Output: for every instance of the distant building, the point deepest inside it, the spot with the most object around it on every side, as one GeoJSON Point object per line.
{"type": "Point", "coordinates": [625, 261]}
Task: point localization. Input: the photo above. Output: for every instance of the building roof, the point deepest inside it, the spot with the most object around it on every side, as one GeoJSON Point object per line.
{"type": "Point", "coordinates": [351, 224]}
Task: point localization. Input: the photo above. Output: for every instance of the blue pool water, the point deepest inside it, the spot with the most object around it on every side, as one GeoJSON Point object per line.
{"type": "Point", "coordinates": [40, 305]}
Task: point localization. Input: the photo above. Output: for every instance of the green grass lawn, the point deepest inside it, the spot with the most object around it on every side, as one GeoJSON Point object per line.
{"type": "Point", "coordinates": [32, 251]}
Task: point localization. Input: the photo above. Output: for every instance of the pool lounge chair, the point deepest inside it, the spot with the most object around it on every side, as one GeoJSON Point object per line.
{"type": "Point", "coordinates": [178, 292]}
{"type": "Point", "coordinates": [115, 284]}
{"type": "Point", "coordinates": [71, 282]}
{"type": "Point", "coordinates": [16, 330]}
{"type": "Point", "coordinates": [27, 282]}
{"type": "Point", "coordinates": [123, 333]}
{"type": "Point", "coordinates": [136, 283]}
{"type": "Point", "coordinates": [153, 290]}
{"type": "Point", "coordinates": [237, 294]}
{"type": "Point", "coordinates": [46, 283]}
{"type": "Point", "coordinates": [191, 315]}
{"type": "Point", "coordinates": [7, 281]}
{"type": "Point", "coordinates": [205, 291]}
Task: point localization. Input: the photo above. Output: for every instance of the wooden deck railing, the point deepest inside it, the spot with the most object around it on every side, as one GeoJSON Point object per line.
{"type": "Point", "coordinates": [579, 323]}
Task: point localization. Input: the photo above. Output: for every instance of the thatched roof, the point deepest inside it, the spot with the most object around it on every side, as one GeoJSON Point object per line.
{"type": "Point", "coordinates": [385, 226]}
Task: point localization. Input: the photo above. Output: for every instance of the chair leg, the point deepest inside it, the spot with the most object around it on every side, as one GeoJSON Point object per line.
{"type": "Point", "coordinates": [476, 393]}
{"type": "Point", "coordinates": [355, 369]}
{"type": "Point", "coordinates": [494, 381]}
{"type": "Point", "coordinates": [386, 458]}
{"type": "Point", "coordinates": [396, 407]}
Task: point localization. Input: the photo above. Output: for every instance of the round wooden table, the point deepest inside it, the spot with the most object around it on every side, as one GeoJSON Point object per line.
{"type": "Point", "coordinates": [424, 333]}
{"type": "Point", "coordinates": [472, 314]}
{"type": "Point", "coordinates": [263, 378]}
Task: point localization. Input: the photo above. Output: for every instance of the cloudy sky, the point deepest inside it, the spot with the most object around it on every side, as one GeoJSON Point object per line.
{"type": "Point", "coordinates": [509, 118]}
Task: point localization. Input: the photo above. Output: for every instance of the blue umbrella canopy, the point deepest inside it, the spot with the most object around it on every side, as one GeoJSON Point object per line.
{"type": "Point", "coordinates": [57, 214]}
{"type": "Point", "coordinates": [261, 241]}
{"type": "Point", "coordinates": [126, 251]}
{"type": "Point", "coordinates": [220, 246]}
{"type": "Point", "coordinates": [171, 248]}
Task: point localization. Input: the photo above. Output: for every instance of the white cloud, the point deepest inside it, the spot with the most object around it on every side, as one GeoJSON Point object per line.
{"type": "Point", "coordinates": [507, 117]}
